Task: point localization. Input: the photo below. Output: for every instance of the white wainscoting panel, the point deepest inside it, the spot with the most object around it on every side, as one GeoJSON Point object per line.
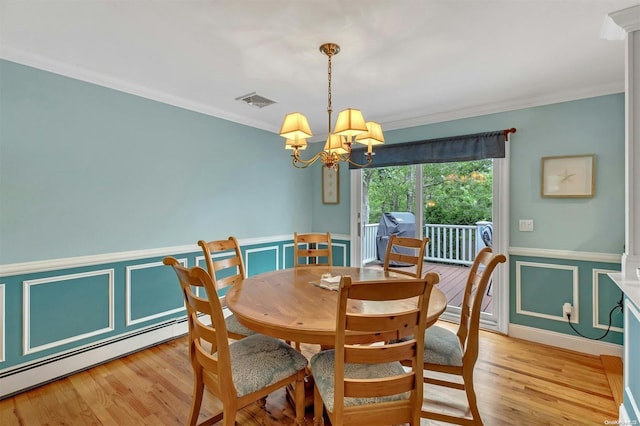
{"type": "Point", "coordinates": [26, 318]}
{"type": "Point", "coordinates": [129, 283]}
{"type": "Point", "coordinates": [249, 252]}
{"type": "Point", "coordinates": [574, 303]}
{"type": "Point", "coordinates": [596, 300]}
{"type": "Point", "coordinates": [2, 324]}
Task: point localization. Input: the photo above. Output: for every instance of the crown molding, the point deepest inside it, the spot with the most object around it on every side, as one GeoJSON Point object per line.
{"type": "Point", "coordinates": [89, 76]}
{"type": "Point", "coordinates": [40, 62]}
{"type": "Point", "coordinates": [628, 19]}
{"type": "Point", "coordinates": [510, 105]}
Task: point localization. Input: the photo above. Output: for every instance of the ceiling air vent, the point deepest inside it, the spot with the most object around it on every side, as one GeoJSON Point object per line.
{"type": "Point", "coordinates": [255, 100]}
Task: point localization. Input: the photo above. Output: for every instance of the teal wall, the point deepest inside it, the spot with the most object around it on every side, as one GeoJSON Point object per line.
{"type": "Point", "coordinates": [88, 170]}
{"type": "Point", "coordinates": [85, 170]}
{"type": "Point", "coordinates": [52, 312]}
{"type": "Point", "coordinates": [575, 228]}
{"type": "Point", "coordinates": [589, 126]}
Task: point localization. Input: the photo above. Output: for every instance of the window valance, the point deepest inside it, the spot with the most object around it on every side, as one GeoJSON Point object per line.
{"type": "Point", "coordinates": [476, 146]}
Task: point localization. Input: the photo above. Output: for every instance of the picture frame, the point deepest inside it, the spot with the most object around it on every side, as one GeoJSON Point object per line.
{"type": "Point", "coordinates": [568, 176]}
{"type": "Point", "coordinates": [330, 185]}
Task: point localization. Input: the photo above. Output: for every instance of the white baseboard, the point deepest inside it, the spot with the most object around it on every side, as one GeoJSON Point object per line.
{"type": "Point", "coordinates": [565, 341]}
{"type": "Point", "coordinates": [26, 376]}
{"type": "Point", "coordinates": [623, 416]}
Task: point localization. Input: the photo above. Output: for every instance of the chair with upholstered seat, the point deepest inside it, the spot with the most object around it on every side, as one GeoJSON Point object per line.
{"type": "Point", "coordinates": [237, 373]}
{"type": "Point", "coordinates": [314, 249]}
{"type": "Point", "coordinates": [407, 254]}
{"type": "Point", "coordinates": [366, 384]}
{"type": "Point", "coordinates": [456, 353]}
{"type": "Point", "coordinates": [227, 269]}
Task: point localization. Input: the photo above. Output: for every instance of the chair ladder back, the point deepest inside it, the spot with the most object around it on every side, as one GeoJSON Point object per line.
{"type": "Point", "coordinates": [414, 249]}
{"type": "Point", "coordinates": [210, 355]}
{"type": "Point", "coordinates": [204, 339]}
{"type": "Point", "coordinates": [224, 262]}
{"type": "Point", "coordinates": [410, 320]}
{"type": "Point", "coordinates": [479, 278]}
{"type": "Point", "coordinates": [312, 247]}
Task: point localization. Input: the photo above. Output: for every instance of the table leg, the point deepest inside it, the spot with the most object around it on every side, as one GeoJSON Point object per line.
{"type": "Point", "coordinates": [308, 392]}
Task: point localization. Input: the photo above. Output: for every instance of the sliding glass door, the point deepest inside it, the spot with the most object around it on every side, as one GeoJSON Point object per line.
{"type": "Point", "coordinates": [459, 206]}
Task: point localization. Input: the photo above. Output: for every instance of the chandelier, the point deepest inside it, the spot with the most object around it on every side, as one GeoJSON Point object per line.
{"type": "Point", "coordinates": [350, 127]}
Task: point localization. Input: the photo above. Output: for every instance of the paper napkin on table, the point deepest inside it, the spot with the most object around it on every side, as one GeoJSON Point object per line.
{"type": "Point", "coordinates": [331, 280]}
{"type": "Point", "coordinates": [329, 283]}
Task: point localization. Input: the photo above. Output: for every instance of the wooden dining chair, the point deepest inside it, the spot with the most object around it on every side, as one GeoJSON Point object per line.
{"type": "Point", "coordinates": [226, 269]}
{"type": "Point", "coordinates": [314, 249]}
{"type": "Point", "coordinates": [366, 384]}
{"type": "Point", "coordinates": [407, 253]}
{"type": "Point", "coordinates": [237, 373]}
{"type": "Point", "coordinates": [456, 353]}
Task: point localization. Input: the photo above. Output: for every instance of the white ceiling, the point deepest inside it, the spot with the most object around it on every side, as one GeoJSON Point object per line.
{"type": "Point", "coordinates": [403, 62]}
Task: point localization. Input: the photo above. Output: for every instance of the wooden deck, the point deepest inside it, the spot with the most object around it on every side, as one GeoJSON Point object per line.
{"type": "Point", "coordinates": [452, 281]}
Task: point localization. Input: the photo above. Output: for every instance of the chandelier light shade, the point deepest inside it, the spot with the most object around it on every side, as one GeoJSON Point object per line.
{"type": "Point", "coordinates": [295, 126]}
{"type": "Point", "coordinates": [350, 127]}
{"type": "Point", "coordinates": [336, 144]}
{"type": "Point", "coordinates": [373, 135]}
{"type": "Point", "coordinates": [350, 123]}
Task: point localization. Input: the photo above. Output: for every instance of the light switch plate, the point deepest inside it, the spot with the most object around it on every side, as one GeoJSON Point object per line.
{"type": "Point", "coordinates": [525, 225]}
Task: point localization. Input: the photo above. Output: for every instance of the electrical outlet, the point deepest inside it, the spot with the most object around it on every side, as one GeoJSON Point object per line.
{"type": "Point", "coordinates": [566, 310]}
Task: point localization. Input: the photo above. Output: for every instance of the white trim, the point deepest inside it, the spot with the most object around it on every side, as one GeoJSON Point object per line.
{"type": "Point", "coordinates": [564, 341]}
{"type": "Point", "coordinates": [26, 310]}
{"type": "Point", "coordinates": [576, 311]}
{"type": "Point", "coordinates": [630, 310]}
{"type": "Point", "coordinates": [44, 371]}
{"type": "Point", "coordinates": [127, 283]}
{"type": "Point", "coordinates": [81, 261]}
{"type": "Point", "coordinates": [566, 254]}
{"type": "Point", "coordinates": [421, 118]}
{"type": "Point", "coordinates": [83, 74]}
{"type": "Point", "coordinates": [257, 250]}
{"type": "Point", "coordinates": [355, 217]}
{"type": "Point", "coordinates": [3, 331]}
{"type": "Point", "coordinates": [511, 105]}
{"type": "Point", "coordinates": [596, 302]}
{"type": "Point", "coordinates": [501, 202]}
{"type": "Point", "coordinates": [344, 251]}
{"type": "Point", "coordinates": [623, 416]}
{"type": "Point", "coordinates": [628, 19]}
{"type": "Point", "coordinates": [284, 253]}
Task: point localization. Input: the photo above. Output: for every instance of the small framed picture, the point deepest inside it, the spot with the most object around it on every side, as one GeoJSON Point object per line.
{"type": "Point", "coordinates": [569, 176]}
{"type": "Point", "coordinates": [330, 185]}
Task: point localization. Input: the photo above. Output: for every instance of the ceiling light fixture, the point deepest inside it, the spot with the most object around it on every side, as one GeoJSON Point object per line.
{"type": "Point", "coordinates": [350, 127]}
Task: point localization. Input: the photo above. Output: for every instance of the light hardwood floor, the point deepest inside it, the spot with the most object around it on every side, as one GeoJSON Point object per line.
{"type": "Point", "coordinates": [517, 382]}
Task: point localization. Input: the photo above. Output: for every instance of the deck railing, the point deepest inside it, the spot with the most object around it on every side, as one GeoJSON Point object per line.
{"type": "Point", "coordinates": [455, 244]}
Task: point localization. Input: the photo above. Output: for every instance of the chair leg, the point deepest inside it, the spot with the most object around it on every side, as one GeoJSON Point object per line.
{"type": "Point", "coordinates": [196, 402]}
{"type": "Point", "coordinates": [299, 397]}
{"type": "Point", "coordinates": [318, 407]}
{"type": "Point", "coordinates": [229, 418]}
{"type": "Point", "coordinates": [471, 397]}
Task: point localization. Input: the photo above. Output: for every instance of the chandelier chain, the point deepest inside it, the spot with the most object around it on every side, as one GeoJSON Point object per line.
{"type": "Point", "coordinates": [329, 108]}
{"type": "Point", "coordinates": [350, 128]}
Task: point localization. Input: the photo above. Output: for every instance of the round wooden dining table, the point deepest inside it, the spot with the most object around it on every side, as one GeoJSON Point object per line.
{"type": "Point", "coordinates": [288, 304]}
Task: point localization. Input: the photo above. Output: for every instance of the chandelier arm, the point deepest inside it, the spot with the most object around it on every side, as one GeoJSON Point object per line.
{"type": "Point", "coordinates": [338, 146]}
{"type": "Point", "coordinates": [298, 160]}
{"type": "Point", "coordinates": [369, 161]}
